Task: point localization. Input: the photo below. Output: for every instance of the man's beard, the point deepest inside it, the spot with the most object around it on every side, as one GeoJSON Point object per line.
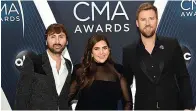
{"type": "Point", "coordinates": [54, 51]}
{"type": "Point", "coordinates": [147, 34]}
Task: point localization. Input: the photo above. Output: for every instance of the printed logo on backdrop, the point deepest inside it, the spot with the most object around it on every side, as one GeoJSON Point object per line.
{"type": "Point", "coordinates": [9, 13]}
{"type": "Point", "coordinates": [111, 15]}
{"type": "Point", "coordinates": [186, 54]}
{"type": "Point", "coordinates": [188, 8]}
{"type": "Point", "coordinates": [12, 12]}
{"type": "Point", "coordinates": [22, 56]}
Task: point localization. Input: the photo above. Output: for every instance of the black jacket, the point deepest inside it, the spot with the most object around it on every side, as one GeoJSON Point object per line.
{"type": "Point", "coordinates": [172, 89]}
{"type": "Point", "coordinates": [36, 87]}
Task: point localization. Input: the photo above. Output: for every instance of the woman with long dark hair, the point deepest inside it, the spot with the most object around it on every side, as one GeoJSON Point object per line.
{"type": "Point", "coordinates": [98, 81]}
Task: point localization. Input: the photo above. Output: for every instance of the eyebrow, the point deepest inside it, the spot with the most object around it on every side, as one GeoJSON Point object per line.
{"type": "Point", "coordinates": [53, 34]}
{"type": "Point", "coordinates": [148, 17]}
{"type": "Point", "coordinates": [101, 47]}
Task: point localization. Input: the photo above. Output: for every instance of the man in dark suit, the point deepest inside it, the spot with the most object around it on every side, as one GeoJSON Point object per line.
{"type": "Point", "coordinates": [45, 79]}
{"type": "Point", "coordinates": [162, 79]}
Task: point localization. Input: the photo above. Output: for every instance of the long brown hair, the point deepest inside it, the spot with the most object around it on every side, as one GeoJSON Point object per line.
{"type": "Point", "coordinates": [87, 70]}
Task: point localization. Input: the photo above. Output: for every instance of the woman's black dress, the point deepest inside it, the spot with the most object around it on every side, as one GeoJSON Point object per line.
{"type": "Point", "coordinates": [104, 92]}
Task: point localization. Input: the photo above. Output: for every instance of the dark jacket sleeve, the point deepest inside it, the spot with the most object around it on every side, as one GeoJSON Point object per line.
{"type": "Point", "coordinates": [23, 91]}
{"type": "Point", "coordinates": [183, 77]}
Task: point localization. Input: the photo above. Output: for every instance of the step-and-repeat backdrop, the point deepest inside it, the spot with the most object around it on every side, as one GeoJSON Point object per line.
{"type": "Point", "coordinates": [23, 24]}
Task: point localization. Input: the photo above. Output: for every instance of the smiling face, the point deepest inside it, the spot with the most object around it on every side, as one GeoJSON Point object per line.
{"type": "Point", "coordinates": [100, 51]}
{"type": "Point", "coordinates": [56, 42]}
{"type": "Point", "coordinates": [56, 38]}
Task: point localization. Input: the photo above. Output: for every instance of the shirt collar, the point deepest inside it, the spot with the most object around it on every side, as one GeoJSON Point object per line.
{"type": "Point", "coordinates": [157, 43]}
{"type": "Point", "coordinates": [53, 62]}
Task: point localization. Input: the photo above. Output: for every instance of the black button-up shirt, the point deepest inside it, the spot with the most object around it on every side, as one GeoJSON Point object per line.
{"type": "Point", "coordinates": [152, 60]}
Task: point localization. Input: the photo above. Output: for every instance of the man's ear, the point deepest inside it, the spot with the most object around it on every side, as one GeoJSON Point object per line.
{"type": "Point", "coordinates": [137, 23]}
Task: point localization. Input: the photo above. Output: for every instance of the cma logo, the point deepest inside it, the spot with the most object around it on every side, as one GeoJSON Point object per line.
{"type": "Point", "coordinates": [188, 4]}
{"type": "Point", "coordinates": [186, 54]}
{"type": "Point", "coordinates": [94, 8]}
{"type": "Point", "coordinates": [9, 12]}
{"type": "Point", "coordinates": [188, 7]}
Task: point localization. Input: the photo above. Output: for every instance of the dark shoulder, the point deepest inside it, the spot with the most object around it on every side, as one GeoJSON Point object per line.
{"type": "Point", "coordinates": [118, 67]}
{"type": "Point", "coordinates": [78, 69]}
{"type": "Point", "coordinates": [37, 63]}
{"type": "Point", "coordinates": [129, 50]}
{"type": "Point", "coordinates": [168, 39]}
{"type": "Point", "coordinates": [37, 59]}
{"type": "Point", "coordinates": [75, 73]}
{"type": "Point", "coordinates": [77, 66]}
{"type": "Point", "coordinates": [130, 46]}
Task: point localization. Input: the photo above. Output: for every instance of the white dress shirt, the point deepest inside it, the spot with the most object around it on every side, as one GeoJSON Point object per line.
{"type": "Point", "coordinates": [61, 76]}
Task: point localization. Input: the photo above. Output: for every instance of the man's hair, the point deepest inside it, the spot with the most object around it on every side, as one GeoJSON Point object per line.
{"type": "Point", "coordinates": [55, 28]}
{"type": "Point", "coordinates": [146, 6]}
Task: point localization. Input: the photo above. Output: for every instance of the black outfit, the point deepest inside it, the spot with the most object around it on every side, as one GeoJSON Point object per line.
{"type": "Point", "coordinates": [151, 61]}
{"type": "Point", "coordinates": [36, 87]}
{"type": "Point", "coordinates": [162, 79]}
{"type": "Point", "coordinates": [104, 92]}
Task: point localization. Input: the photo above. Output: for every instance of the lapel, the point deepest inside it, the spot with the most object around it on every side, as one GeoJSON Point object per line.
{"type": "Point", "coordinates": [48, 71]}
{"type": "Point", "coordinates": [161, 53]}
{"type": "Point", "coordinates": [142, 65]}
{"type": "Point", "coordinates": [160, 56]}
{"type": "Point", "coordinates": [144, 69]}
{"type": "Point", "coordinates": [68, 79]}
{"type": "Point", "coordinates": [68, 65]}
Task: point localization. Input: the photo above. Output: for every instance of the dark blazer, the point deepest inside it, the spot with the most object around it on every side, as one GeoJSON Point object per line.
{"type": "Point", "coordinates": [36, 87]}
{"type": "Point", "coordinates": [172, 89]}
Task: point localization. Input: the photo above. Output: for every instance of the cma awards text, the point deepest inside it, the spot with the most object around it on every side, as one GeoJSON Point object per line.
{"type": "Point", "coordinates": [109, 26]}
{"type": "Point", "coordinates": [188, 7]}
{"type": "Point", "coordinates": [9, 13]}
